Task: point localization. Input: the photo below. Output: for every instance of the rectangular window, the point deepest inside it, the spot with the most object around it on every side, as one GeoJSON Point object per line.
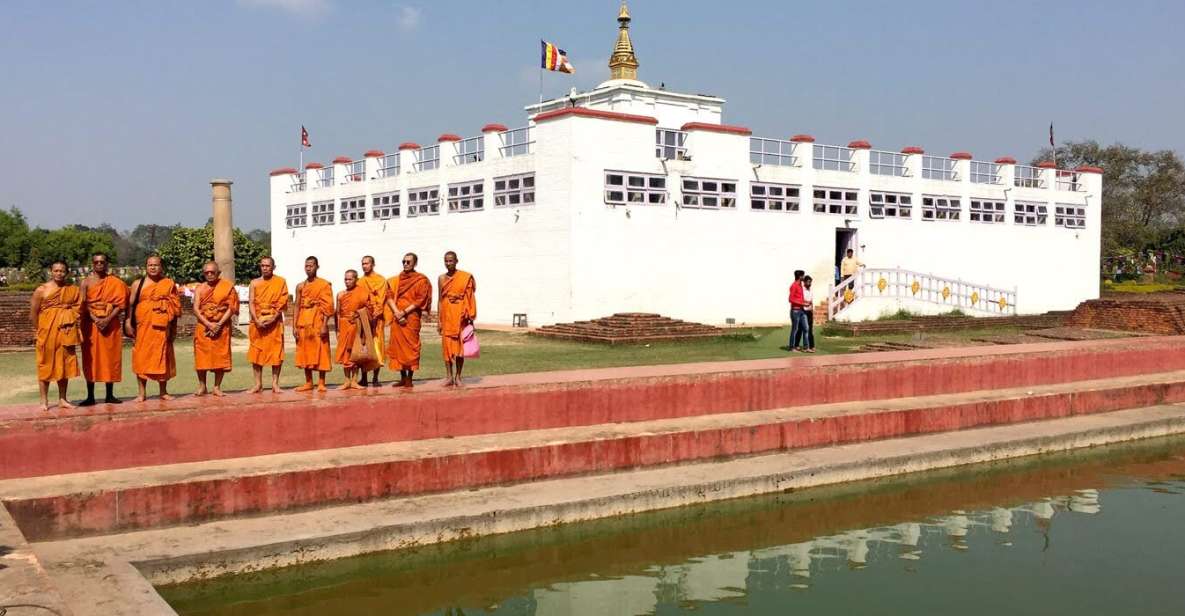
{"type": "Point", "coordinates": [423, 201]}
{"type": "Point", "coordinates": [428, 158]}
{"type": "Point", "coordinates": [836, 201]}
{"type": "Point", "coordinates": [939, 168]}
{"type": "Point", "coordinates": [988, 212]}
{"type": "Point", "coordinates": [355, 171]}
{"type": "Point", "coordinates": [389, 166]}
{"type": "Point", "coordinates": [384, 206]}
{"type": "Point", "coordinates": [353, 209]}
{"type": "Point", "coordinates": [1069, 216]}
{"type": "Point", "coordinates": [622, 187]}
{"type": "Point", "coordinates": [466, 196]}
{"type": "Point", "coordinates": [322, 212]}
{"type": "Point", "coordinates": [325, 177]}
{"type": "Point", "coordinates": [984, 173]}
{"type": "Point", "coordinates": [833, 158]}
{"type": "Point", "coordinates": [886, 163]}
{"type": "Point", "coordinates": [296, 215]}
{"type": "Point", "coordinates": [1030, 214]}
{"type": "Point", "coordinates": [1068, 180]}
{"type": "Point", "coordinates": [889, 205]}
{"type": "Point", "coordinates": [773, 197]}
{"type": "Point", "coordinates": [772, 152]}
{"type": "Point", "coordinates": [299, 181]}
{"type": "Point", "coordinates": [514, 190]}
{"type": "Point", "coordinates": [709, 193]}
{"type": "Point", "coordinates": [470, 150]}
{"type": "Point", "coordinates": [670, 144]}
{"type": "Point", "coordinates": [517, 142]}
{"type": "Point", "coordinates": [1028, 177]}
{"type": "Point", "coordinates": [941, 208]}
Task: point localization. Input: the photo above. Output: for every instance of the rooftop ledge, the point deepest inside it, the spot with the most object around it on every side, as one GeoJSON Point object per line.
{"type": "Point", "coordinates": [584, 112]}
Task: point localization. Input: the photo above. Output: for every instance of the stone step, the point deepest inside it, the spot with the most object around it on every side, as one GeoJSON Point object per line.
{"type": "Point", "coordinates": [628, 327]}
{"type": "Point", "coordinates": [105, 501]}
{"type": "Point", "coordinates": [192, 429]}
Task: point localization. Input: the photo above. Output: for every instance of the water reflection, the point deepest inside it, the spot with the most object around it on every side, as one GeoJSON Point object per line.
{"type": "Point", "coordinates": [1007, 527]}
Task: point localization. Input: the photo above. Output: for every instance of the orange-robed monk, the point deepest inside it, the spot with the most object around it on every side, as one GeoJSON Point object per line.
{"type": "Point", "coordinates": [349, 302]}
{"type": "Point", "coordinates": [215, 304]}
{"type": "Point", "coordinates": [153, 319]}
{"type": "Point", "coordinates": [457, 308]}
{"type": "Point", "coordinates": [269, 299]}
{"type": "Point", "coordinates": [104, 304]}
{"type": "Point", "coordinates": [54, 310]}
{"type": "Point", "coordinates": [376, 285]}
{"type": "Point", "coordinates": [314, 306]}
{"type": "Point", "coordinates": [410, 298]}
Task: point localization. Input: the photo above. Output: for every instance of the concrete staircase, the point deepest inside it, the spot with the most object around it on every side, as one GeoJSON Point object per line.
{"type": "Point", "coordinates": [629, 328]}
{"type": "Point", "coordinates": [186, 462]}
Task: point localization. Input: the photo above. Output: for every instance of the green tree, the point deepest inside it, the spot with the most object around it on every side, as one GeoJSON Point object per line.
{"type": "Point", "coordinates": [14, 238]}
{"type": "Point", "coordinates": [145, 240]}
{"type": "Point", "coordinates": [189, 248]}
{"type": "Point", "coordinates": [69, 244]}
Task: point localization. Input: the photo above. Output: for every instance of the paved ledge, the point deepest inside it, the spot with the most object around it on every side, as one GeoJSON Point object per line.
{"type": "Point", "coordinates": [23, 581]}
{"type": "Point", "coordinates": [95, 576]}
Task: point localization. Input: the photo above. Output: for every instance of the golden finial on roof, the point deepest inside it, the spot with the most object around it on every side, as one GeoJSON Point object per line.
{"type": "Point", "coordinates": [623, 64]}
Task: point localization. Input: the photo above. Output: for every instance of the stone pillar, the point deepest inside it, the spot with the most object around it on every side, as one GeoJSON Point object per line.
{"type": "Point", "coordinates": [224, 240]}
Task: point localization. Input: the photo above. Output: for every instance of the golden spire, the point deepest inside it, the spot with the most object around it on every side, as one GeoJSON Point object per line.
{"type": "Point", "coordinates": [623, 64]}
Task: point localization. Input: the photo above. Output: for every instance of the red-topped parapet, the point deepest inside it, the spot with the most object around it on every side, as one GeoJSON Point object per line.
{"type": "Point", "coordinates": [282, 171]}
{"type": "Point", "coordinates": [585, 112]}
{"type": "Point", "coordinates": [373, 154]}
{"type": "Point", "coordinates": [961, 155]}
{"type": "Point", "coordinates": [860, 144]}
{"type": "Point", "coordinates": [1006, 160]}
{"type": "Point", "coordinates": [912, 149]}
{"type": "Point", "coordinates": [717, 128]}
{"type": "Point", "coordinates": [448, 137]}
{"type": "Point", "coordinates": [494, 127]}
{"type": "Point", "coordinates": [342, 160]}
{"type": "Point", "coordinates": [1088, 169]}
{"type": "Point", "coordinates": [802, 138]}
{"type": "Point", "coordinates": [409, 145]}
{"type": "Point", "coordinates": [314, 166]}
{"type": "Point", "coordinates": [1047, 164]}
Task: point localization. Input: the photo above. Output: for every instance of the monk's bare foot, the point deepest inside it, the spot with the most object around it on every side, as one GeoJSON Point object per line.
{"type": "Point", "coordinates": [218, 392]}
{"type": "Point", "coordinates": [321, 388]}
{"type": "Point", "coordinates": [141, 398]}
{"type": "Point", "coordinates": [112, 400]}
{"type": "Point", "coordinates": [45, 406]}
{"type": "Point", "coordinates": [65, 404]}
{"type": "Point", "coordinates": [255, 390]}
{"type": "Point", "coordinates": [87, 402]}
{"type": "Point", "coordinates": [201, 391]}
{"type": "Point", "coordinates": [276, 389]}
{"type": "Point", "coordinates": [305, 387]}
{"type": "Point", "coordinates": [166, 397]}
{"type": "Point", "coordinates": [458, 383]}
{"type": "Point", "coordinates": [344, 386]}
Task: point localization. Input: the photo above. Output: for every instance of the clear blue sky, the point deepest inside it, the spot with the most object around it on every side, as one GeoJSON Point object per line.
{"type": "Point", "coordinates": [122, 111]}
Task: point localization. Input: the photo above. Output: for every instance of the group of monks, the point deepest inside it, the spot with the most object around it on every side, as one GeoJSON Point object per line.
{"type": "Point", "coordinates": [382, 315]}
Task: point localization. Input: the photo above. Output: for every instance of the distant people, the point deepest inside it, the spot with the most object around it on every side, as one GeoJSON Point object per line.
{"type": "Point", "coordinates": [55, 311]}
{"type": "Point", "coordinates": [377, 287]}
{"type": "Point", "coordinates": [797, 305]}
{"type": "Point", "coordinates": [850, 266]}
{"type": "Point", "coordinates": [314, 306]}
{"type": "Point", "coordinates": [3, 279]}
{"type": "Point", "coordinates": [104, 306]}
{"type": "Point", "coordinates": [458, 308]}
{"type": "Point", "coordinates": [268, 301]}
{"type": "Point", "coordinates": [354, 298]}
{"type": "Point", "coordinates": [215, 303]}
{"type": "Point", "coordinates": [808, 332]}
{"type": "Point", "coordinates": [410, 299]}
{"type": "Point", "coordinates": [152, 321]}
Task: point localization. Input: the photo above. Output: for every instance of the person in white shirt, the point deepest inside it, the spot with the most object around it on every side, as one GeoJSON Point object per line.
{"type": "Point", "coordinates": [808, 334]}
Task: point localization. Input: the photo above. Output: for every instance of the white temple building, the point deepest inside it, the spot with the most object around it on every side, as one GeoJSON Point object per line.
{"type": "Point", "coordinates": [631, 198]}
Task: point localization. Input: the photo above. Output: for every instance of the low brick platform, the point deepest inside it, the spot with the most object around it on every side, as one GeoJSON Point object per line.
{"type": "Point", "coordinates": [1153, 313]}
{"type": "Point", "coordinates": [946, 323]}
{"type": "Point", "coordinates": [630, 328]}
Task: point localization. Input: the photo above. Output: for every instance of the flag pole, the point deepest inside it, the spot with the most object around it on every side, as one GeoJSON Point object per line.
{"type": "Point", "coordinates": [540, 86]}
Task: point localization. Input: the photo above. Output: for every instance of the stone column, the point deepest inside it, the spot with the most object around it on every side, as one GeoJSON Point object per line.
{"type": "Point", "coordinates": [224, 242]}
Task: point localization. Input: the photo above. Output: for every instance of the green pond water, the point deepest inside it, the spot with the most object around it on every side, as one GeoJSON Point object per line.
{"type": "Point", "coordinates": [1094, 532]}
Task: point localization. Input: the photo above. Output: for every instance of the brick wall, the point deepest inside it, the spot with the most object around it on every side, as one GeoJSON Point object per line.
{"type": "Point", "coordinates": [17, 331]}
{"type": "Point", "coordinates": [1152, 313]}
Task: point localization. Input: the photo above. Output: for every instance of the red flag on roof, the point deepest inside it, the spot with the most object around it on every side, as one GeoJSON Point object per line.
{"type": "Point", "coordinates": [304, 138]}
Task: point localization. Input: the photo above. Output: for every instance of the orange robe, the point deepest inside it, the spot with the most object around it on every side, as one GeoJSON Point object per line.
{"type": "Point", "coordinates": [214, 353]}
{"type": "Point", "coordinates": [347, 328]}
{"type": "Point", "coordinates": [410, 290]}
{"type": "Point", "coordinates": [152, 354]}
{"type": "Point", "coordinates": [58, 334]}
{"type": "Point", "coordinates": [376, 285]}
{"type": "Point", "coordinates": [102, 351]}
{"type": "Point", "coordinates": [313, 308]}
{"type": "Point", "coordinates": [456, 300]}
{"type": "Point", "coordinates": [267, 343]}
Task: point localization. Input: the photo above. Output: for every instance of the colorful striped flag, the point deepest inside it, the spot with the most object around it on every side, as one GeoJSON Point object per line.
{"type": "Point", "coordinates": [555, 59]}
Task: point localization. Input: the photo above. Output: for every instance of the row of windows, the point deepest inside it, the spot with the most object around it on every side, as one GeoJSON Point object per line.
{"type": "Point", "coordinates": [623, 188]}
{"type": "Point", "coordinates": [509, 191]}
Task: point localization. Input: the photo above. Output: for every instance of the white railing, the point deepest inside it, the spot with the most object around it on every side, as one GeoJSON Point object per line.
{"type": "Point", "coordinates": [833, 158]}
{"type": "Point", "coordinates": [355, 172]}
{"type": "Point", "coordinates": [470, 150]}
{"type": "Point", "coordinates": [670, 144]}
{"type": "Point", "coordinates": [1029, 177]}
{"type": "Point", "coordinates": [984, 172]}
{"type": "Point", "coordinates": [517, 142]}
{"type": "Point", "coordinates": [427, 158]}
{"type": "Point", "coordinates": [939, 168]}
{"type": "Point", "coordinates": [300, 181]}
{"type": "Point", "coordinates": [772, 152]}
{"type": "Point", "coordinates": [389, 166]}
{"type": "Point", "coordinates": [325, 177]}
{"type": "Point", "coordinates": [881, 162]}
{"type": "Point", "coordinates": [949, 293]}
{"type": "Point", "coordinates": [1068, 180]}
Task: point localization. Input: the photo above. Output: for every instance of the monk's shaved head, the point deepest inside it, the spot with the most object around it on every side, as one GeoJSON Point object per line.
{"type": "Point", "coordinates": [450, 254]}
{"type": "Point", "coordinates": [313, 259]}
{"type": "Point", "coordinates": [211, 266]}
{"type": "Point", "coordinates": [368, 258]}
{"type": "Point", "coordinates": [351, 272]}
{"type": "Point", "coordinates": [156, 258]}
{"type": "Point", "coordinates": [268, 259]}
{"type": "Point", "coordinates": [57, 263]}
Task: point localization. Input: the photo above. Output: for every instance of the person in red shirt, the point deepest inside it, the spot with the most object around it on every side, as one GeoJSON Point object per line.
{"type": "Point", "coordinates": [797, 310]}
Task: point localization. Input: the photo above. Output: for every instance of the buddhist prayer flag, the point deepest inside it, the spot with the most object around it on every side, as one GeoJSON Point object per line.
{"type": "Point", "coordinates": [555, 59]}
{"type": "Point", "coordinates": [304, 138]}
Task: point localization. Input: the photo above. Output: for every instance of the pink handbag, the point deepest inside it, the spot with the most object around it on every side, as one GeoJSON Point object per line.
{"type": "Point", "coordinates": [469, 342]}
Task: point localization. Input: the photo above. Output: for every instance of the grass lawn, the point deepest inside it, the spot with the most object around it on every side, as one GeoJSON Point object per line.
{"type": "Point", "coordinates": [502, 353]}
